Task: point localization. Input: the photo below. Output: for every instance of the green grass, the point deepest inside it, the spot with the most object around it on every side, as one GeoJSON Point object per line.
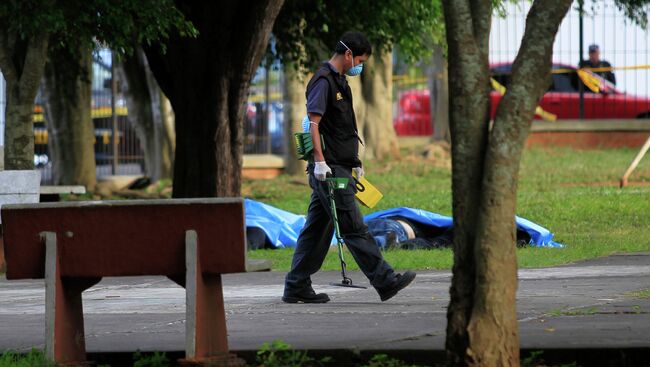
{"type": "Point", "coordinates": [35, 358]}
{"type": "Point", "coordinates": [643, 294]}
{"type": "Point", "coordinates": [573, 193]}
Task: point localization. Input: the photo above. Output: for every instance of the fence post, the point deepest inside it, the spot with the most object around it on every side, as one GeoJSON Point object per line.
{"type": "Point", "coordinates": [581, 87]}
{"type": "Point", "coordinates": [115, 138]}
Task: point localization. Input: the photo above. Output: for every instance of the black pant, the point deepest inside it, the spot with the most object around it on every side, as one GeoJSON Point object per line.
{"type": "Point", "coordinates": [315, 238]}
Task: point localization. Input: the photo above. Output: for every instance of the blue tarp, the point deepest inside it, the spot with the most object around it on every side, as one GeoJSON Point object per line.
{"type": "Point", "coordinates": [282, 227]}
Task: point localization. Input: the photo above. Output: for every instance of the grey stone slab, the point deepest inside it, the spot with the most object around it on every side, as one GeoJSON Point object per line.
{"type": "Point", "coordinates": [6, 199]}
{"type": "Point", "coordinates": [19, 187]}
{"type": "Point", "coordinates": [53, 190]}
{"type": "Point", "coordinates": [20, 182]}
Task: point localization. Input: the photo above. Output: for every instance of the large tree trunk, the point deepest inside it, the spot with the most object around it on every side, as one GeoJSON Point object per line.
{"type": "Point", "coordinates": [377, 119]}
{"type": "Point", "coordinates": [295, 110]}
{"type": "Point", "coordinates": [207, 80]}
{"type": "Point", "coordinates": [469, 115]}
{"type": "Point", "coordinates": [67, 94]}
{"type": "Point", "coordinates": [439, 88]}
{"type": "Point", "coordinates": [482, 325]}
{"type": "Point", "coordinates": [22, 62]}
{"type": "Point", "coordinates": [146, 104]}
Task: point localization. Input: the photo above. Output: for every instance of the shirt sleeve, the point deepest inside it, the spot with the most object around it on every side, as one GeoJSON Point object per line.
{"type": "Point", "coordinates": [317, 97]}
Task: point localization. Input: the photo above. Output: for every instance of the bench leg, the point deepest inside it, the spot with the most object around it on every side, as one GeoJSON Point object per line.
{"type": "Point", "coordinates": [206, 341]}
{"type": "Point", "coordinates": [64, 324]}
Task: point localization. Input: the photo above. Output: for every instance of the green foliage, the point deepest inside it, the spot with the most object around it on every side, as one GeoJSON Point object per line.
{"type": "Point", "coordinates": [119, 25]}
{"type": "Point", "coordinates": [280, 354]}
{"type": "Point", "coordinates": [382, 360]}
{"type": "Point", "coordinates": [307, 31]}
{"type": "Point", "coordinates": [28, 17]}
{"type": "Point", "coordinates": [157, 359]}
{"type": "Point", "coordinates": [635, 10]}
{"type": "Point", "coordinates": [534, 359]}
{"type": "Point", "coordinates": [35, 358]}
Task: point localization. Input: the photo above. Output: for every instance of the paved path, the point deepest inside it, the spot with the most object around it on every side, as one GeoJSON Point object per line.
{"type": "Point", "coordinates": [577, 306]}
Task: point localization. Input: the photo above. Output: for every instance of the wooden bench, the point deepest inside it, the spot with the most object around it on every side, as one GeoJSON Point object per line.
{"type": "Point", "coordinates": [72, 245]}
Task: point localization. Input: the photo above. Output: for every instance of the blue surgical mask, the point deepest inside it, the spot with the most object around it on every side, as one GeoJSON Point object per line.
{"type": "Point", "coordinates": [355, 69]}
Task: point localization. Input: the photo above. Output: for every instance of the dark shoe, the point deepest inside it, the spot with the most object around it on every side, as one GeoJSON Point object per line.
{"type": "Point", "coordinates": [402, 281]}
{"type": "Point", "coordinates": [306, 297]}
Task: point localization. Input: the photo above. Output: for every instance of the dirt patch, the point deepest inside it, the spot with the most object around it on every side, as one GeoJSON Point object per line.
{"type": "Point", "coordinates": [438, 154]}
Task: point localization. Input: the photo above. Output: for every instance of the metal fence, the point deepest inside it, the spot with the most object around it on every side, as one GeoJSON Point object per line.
{"type": "Point", "coordinates": [264, 117]}
{"type": "Point", "coordinates": [123, 158]}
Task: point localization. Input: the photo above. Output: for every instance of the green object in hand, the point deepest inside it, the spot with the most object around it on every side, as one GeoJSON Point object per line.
{"type": "Point", "coordinates": [338, 183]}
{"type": "Point", "coordinates": [305, 145]}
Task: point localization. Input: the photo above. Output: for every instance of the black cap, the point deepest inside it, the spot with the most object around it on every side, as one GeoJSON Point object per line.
{"type": "Point", "coordinates": [593, 48]}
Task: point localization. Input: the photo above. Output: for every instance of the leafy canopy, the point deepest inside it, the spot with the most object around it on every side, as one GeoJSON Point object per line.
{"type": "Point", "coordinates": [307, 31]}
{"type": "Point", "coordinates": [116, 24]}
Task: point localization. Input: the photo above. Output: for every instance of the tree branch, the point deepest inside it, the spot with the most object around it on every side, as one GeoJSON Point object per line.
{"type": "Point", "coordinates": [35, 59]}
{"type": "Point", "coordinates": [481, 22]}
{"type": "Point", "coordinates": [6, 49]}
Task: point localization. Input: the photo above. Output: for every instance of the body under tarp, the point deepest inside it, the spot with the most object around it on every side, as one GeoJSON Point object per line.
{"type": "Point", "coordinates": [281, 228]}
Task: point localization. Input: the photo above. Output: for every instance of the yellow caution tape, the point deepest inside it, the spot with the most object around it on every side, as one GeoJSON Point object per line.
{"type": "Point", "coordinates": [589, 80]}
{"type": "Point", "coordinates": [547, 116]}
{"type": "Point", "coordinates": [601, 69]}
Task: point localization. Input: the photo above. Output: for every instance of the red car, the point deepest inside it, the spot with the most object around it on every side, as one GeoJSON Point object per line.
{"type": "Point", "coordinates": [413, 113]}
{"type": "Point", "coordinates": [563, 97]}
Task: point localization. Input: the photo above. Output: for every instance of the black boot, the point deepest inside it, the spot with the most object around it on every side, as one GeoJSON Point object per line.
{"type": "Point", "coordinates": [305, 296]}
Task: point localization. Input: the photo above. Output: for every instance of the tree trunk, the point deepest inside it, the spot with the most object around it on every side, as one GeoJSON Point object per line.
{"type": "Point", "coordinates": [440, 95]}
{"type": "Point", "coordinates": [146, 113]}
{"type": "Point", "coordinates": [67, 96]}
{"type": "Point", "coordinates": [377, 123]}
{"type": "Point", "coordinates": [207, 80]}
{"type": "Point", "coordinates": [468, 118]}
{"type": "Point", "coordinates": [482, 325]}
{"type": "Point", "coordinates": [169, 136]}
{"type": "Point", "coordinates": [22, 63]}
{"type": "Point", "coordinates": [295, 110]}
{"type": "Point", "coordinates": [359, 106]}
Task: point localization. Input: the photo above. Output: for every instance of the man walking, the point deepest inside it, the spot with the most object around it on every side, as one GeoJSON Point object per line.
{"type": "Point", "coordinates": [329, 107]}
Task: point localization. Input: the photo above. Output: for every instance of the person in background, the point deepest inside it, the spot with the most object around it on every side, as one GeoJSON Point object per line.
{"type": "Point", "coordinates": [595, 61]}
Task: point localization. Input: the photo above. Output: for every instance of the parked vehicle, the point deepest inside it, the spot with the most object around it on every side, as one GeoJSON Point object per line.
{"type": "Point", "coordinates": [562, 99]}
{"type": "Point", "coordinates": [563, 96]}
{"type": "Point", "coordinates": [413, 113]}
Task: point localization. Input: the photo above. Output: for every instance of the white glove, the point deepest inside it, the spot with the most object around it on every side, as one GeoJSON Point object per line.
{"type": "Point", "coordinates": [321, 170]}
{"type": "Point", "coordinates": [359, 171]}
